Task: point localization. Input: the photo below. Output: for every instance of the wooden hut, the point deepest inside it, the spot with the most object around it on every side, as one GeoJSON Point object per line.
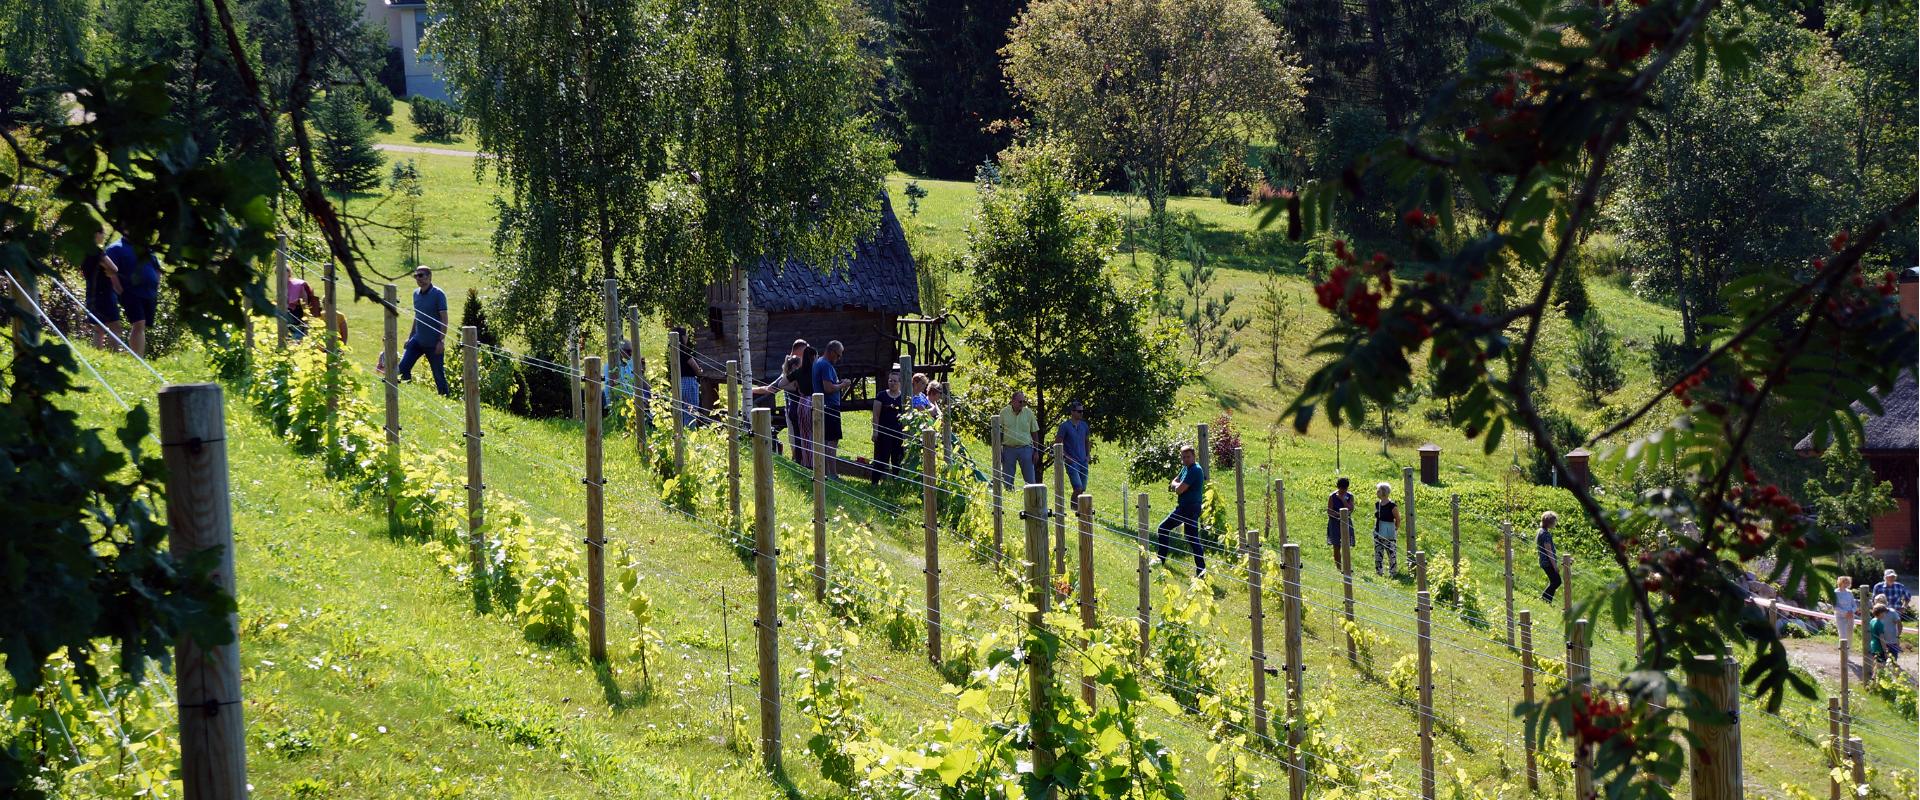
{"type": "Point", "coordinates": [870, 303]}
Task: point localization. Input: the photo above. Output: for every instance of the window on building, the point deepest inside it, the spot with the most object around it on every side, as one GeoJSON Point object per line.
{"type": "Point", "coordinates": [419, 25]}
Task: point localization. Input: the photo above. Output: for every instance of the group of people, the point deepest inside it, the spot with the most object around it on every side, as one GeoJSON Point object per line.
{"type": "Point", "coordinates": [121, 282]}
{"type": "Point", "coordinates": [1890, 600]}
{"type": "Point", "coordinates": [1341, 524]}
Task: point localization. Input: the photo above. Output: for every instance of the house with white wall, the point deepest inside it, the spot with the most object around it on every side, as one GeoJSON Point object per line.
{"type": "Point", "coordinates": [405, 23]}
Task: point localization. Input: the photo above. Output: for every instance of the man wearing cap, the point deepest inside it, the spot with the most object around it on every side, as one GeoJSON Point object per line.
{"type": "Point", "coordinates": [1072, 436]}
{"type": "Point", "coordinates": [1896, 592]}
{"type": "Point", "coordinates": [428, 337]}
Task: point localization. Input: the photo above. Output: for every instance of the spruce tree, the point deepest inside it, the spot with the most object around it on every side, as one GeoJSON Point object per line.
{"type": "Point", "coordinates": [344, 145]}
{"type": "Point", "coordinates": [475, 314]}
{"type": "Point", "coordinates": [951, 85]}
{"type": "Point", "coordinates": [1596, 360]}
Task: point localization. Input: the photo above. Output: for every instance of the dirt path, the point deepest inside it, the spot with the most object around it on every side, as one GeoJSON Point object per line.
{"type": "Point", "coordinates": [1822, 658]}
{"type": "Point", "coordinates": [431, 151]}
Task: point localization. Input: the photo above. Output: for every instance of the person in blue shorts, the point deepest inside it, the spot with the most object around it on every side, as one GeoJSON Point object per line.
{"type": "Point", "coordinates": [102, 284]}
{"type": "Point", "coordinates": [140, 295]}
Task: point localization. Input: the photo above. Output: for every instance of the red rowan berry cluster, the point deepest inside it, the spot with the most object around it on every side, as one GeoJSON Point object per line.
{"type": "Point", "coordinates": [1348, 284]}
{"type": "Point", "coordinates": [1756, 509]}
{"type": "Point", "coordinates": [1597, 720]}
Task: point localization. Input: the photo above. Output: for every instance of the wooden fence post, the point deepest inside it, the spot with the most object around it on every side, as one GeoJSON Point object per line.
{"type": "Point", "coordinates": [213, 736]}
{"type": "Point", "coordinates": [476, 483]}
{"type": "Point", "coordinates": [1454, 501]}
{"type": "Point", "coordinates": [281, 279]}
{"type": "Point", "coordinates": [674, 404]}
{"type": "Point", "coordinates": [573, 377]}
{"type": "Point", "coordinates": [1280, 509]}
{"type": "Point", "coordinates": [1714, 764]}
{"type": "Point", "coordinates": [1240, 498]}
{"type": "Point", "coordinates": [995, 484]}
{"type": "Point", "coordinates": [596, 518]}
{"type": "Point", "coordinates": [642, 410]}
{"type": "Point", "coordinates": [1088, 620]}
{"type": "Point", "coordinates": [1039, 665]}
{"type": "Point", "coordinates": [1566, 586]}
{"type": "Point", "coordinates": [1423, 605]}
{"type": "Point", "coordinates": [1059, 451]}
{"type": "Point", "coordinates": [1346, 581]}
{"type": "Point", "coordinates": [1413, 542]}
{"type": "Point", "coordinates": [739, 418]}
{"type": "Point", "coordinates": [1846, 688]}
{"type": "Point", "coordinates": [946, 437]}
{"type": "Point", "coordinates": [766, 588]}
{"type": "Point", "coordinates": [1506, 554]}
{"type": "Point", "coordinates": [1836, 754]}
{"type": "Point", "coordinates": [610, 289]}
{"type": "Point", "coordinates": [390, 386]}
{"type": "Point", "coordinates": [817, 455]}
{"type": "Point", "coordinates": [1856, 755]}
{"type": "Point", "coordinates": [1256, 624]}
{"type": "Point", "coordinates": [930, 519]}
{"type": "Point", "coordinates": [1290, 587]}
{"type": "Point", "coordinates": [1577, 675]}
{"type": "Point", "coordinates": [1863, 602]}
{"type": "Point", "coordinates": [1200, 444]}
{"type": "Point", "coordinates": [332, 340]}
{"type": "Point", "coordinates": [1146, 581]}
{"type": "Point", "coordinates": [1526, 693]}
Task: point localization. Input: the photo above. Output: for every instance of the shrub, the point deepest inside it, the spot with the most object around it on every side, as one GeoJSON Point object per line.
{"type": "Point", "coordinates": [435, 120]}
{"type": "Point", "coordinates": [393, 73]}
{"type": "Point", "coordinates": [1604, 255]}
{"type": "Point", "coordinates": [1570, 292]}
{"type": "Point", "coordinates": [379, 102]}
{"type": "Point", "coordinates": [1153, 459]}
{"type": "Point", "coordinates": [1224, 440]}
{"type": "Point", "coordinates": [1566, 434]}
{"type": "Point", "coordinates": [1866, 569]}
{"type": "Point", "coordinates": [1596, 365]}
{"type": "Point", "coordinates": [1894, 687]}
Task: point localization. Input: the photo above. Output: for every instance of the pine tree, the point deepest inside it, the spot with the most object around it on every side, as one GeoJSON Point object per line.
{"type": "Point", "coordinates": [1273, 317]}
{"type": "Point", "coordinates": [1203, 314]}
{"type": "Point", "coordinates": [474, 314]}
{"type": "Point", "coordinates": [951, 85]}
{"type": "Point", "coordinates": [344, 145]}
{"type": "Point", "coordinates": [408, 219]}
{"type": "Point", "coordinates": [1570, 292]}
{"type": "Point", "coordinates": [1596, 360]}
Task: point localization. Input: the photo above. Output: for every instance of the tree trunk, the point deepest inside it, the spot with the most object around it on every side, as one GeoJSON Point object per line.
{"type": "Point", "coordinates": [743, 305]}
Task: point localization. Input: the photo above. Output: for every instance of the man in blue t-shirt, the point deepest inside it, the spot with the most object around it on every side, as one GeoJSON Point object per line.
{"type": "Point", "coordinates": [140, 289]}
{"type": "Point", "coordinates": [429, 335]}
{"type": "Point", "coordinates": [1072, 436]}
{"type": "Point", "coordinates": [826, 380]}
{"type": "Point", "coordinates": [1190, 490]}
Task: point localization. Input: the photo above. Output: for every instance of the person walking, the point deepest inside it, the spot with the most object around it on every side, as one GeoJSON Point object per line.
{"type": "Point", "coordinates": [1549, 556]}
{"type": "Point", "coordinates": [1018, 429]}
{"type": "Point", "coordinates": [827, 378]}
{"type": "Point", "coordinates": [1386, 525]}
{"type": "Point", "coordinates": [1075, 447]}
{"type": "Point", "coordinates": [139, 275]}
{"type": "Point", "coordinates": [100, 281]}
{"type": "Point", "coordinates": [1339, 534]}
{"type": "Point", "coordinates": [1883, 633]}
{"type": "Point", "coordinates": [301, 303]}
{"type": "Point", "coordinates": [1189, 489]}
{"type": "Point", "coordinates": [689, 388]}
{"type": "Point", "coordinates": [1896, 592]}
{"type": "Point", "coordinates": [889, 441]}
{"type": "Point", "coordinates": [1845, 605]}
{"type": "Point", "coordinates": [429, 335]}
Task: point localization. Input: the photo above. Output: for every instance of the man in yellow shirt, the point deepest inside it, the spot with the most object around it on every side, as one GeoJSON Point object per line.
{"type": "Point", "coordinates": [1018, 429]}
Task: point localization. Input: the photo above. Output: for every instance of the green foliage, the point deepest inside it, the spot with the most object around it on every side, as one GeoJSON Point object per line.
{"type": "Point", "coordinates": [435, 120]}
{"type": "Point", "coordinates": [1866, 569]}
{"type": "Point", "coordinates": [1846, 497]}
{"type": "Point", "coordinates": [343, 145]}
{"type": "Point", "coordinates": [1273, 319]}
{"type": "Point", "coordinates": [1189, 661]}
{"type": "Point", "coordinates": [1213, 333]}
{"type": "Point", "coordinates": [1047, 313]}
{"type": "Point", "coordinates": [1458, 590]}
{"type": "Point", "coordinates": [1570, 292]}
{"type": "Point", "coordinates": [829, 697]}
{"type": "Point", "coordinates": [1596, 366]}
{"type": "Point", "coordinates": [409, 221]}
{"type": "Point", "coordinates": [1365, 641]}
{"type": "Point", "coordinates": [951, 91]}
{"type": "Point", "coordinates": [1897, 689]}
{"type": "Point", "coordinates": [1154, 459]}
{"type": "Point", "coordinates": [1566, 435]}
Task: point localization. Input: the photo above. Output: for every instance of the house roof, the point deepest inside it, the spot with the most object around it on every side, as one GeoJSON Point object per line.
{"type": "Point", "coordinates": [1897, 428]}
{"type": "Point", "coordinates": [878, 276]}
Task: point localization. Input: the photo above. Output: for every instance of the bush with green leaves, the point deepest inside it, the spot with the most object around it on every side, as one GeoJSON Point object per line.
{"type": "Point", "coordinates": [436, 120]}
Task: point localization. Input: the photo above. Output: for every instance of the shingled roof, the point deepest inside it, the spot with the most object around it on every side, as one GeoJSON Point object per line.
{"type": "Point", "coordinates": [879, 277]}
{"type": "Point", "coordinates": [1897, 429]}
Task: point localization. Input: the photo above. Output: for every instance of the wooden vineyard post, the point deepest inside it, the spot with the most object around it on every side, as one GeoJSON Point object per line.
{"type": "Point", "coordinates": [946, 437]}
{"type": "Point", "coordinates": [1088, 620]}
{"type": "Point", "coordinates": [1290, 587]}
{"type": "Point", "coordinates": [734, 393]}
{"type": "Point", "coordinates": [818, 457]}
{"type": "Point", "coordinates": [1454, 501]}
{"type": "Point", "coordinates": [1280, 509]}
{"type": "Point", "coordinates": [1039, 665]}
{"type": "Point", "coordinates": [1846, 689]}
{"type": "Point", "coordinates": [610, 289]}
{"type": "Point", "coordinates": [1406, 475]}
{"type": "Point", "coordinates": [1205, 452]}
{"type": "Point", "coordinates": [1240, 499]}
{"type": "Point", "coordinates": [281, 280]}
{"type": "Point", "coordinates": [596, 518]}
{"type": "Point", "coordinates": [213, 736]}
{"type": "Point", "coordinates": [390, 385]}
{"type": "Point", "coordinates": [996, 484]}
{"type": "Point", "coordinates": [1860, 603]}
{"type": "Point", "coordinates": [642, 410]}
{"type": "Point", "coordinates": [1059, 451]}
{"type": "Point", "coordinates": [1856, 753]}
{"type": "Point", "coordinates": [1506, 553]}
{"type": "Point", "coordinates": [476, 483]}
{"type": "Point", "coordinates": [331, 339]}
{"type": "Point", "coordinates": [1423, 605]}
{"type": "Point", "coordinates": [1418, 563]}
{"type": "Point", "coordinates": [766, 621]}
{"type": "Point", "coordinates": [1566, 587]}
{"type": "Point", "coordinates": [674, 401]}
{"type": "Point", "coordinates": [1346, 582]}
{"type": "Point", "coordinates": [1256, 626]}
{"type": "Point", "coordinates": [1526, 693]}
{"type": "Point", "coordinates": [1714, 764]}
{"type": "Point", "coordinates": [1146, 580]}
{"type": "Point", "coordinates": [930, 519]}
{"type": "Point", "coordinates": [573, 377]}
{"type": "Point", "coordinates": [1836, 754]}
{"type": "Point", "coordinates": [1577, 675]}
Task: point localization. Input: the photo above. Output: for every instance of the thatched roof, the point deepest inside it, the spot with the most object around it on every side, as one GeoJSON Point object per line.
{"type": "Point", "coordinates": [879, 277]}
{"type": "Point", "coordinates": [1896, 429]}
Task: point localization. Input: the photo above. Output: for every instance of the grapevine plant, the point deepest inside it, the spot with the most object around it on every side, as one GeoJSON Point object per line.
{"type": "Point", "coordinates": [1500, 179]}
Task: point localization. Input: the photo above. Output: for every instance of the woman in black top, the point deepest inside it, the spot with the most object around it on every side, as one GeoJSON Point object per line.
{"type": "Point", "coordinates": [800, 407]}
{"type": "Point", "coordinates": [889, 441]}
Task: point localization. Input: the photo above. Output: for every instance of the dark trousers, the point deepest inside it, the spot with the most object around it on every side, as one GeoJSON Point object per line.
{"type": "Point", "coordinates": [888, 449]}
{"type": "Point", "coordinates": [1179, 517]}
{"type": "Point", "coordinates": [1553, 577]}
{"type": "Point", "coordinates": [435, 359]}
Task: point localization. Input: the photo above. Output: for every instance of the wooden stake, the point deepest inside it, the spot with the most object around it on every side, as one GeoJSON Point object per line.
{"type": "Point", "coordinates": [674, 405]}
{"type": "Point", "coordinates": [1836, 755]}
{"type": "Point", "coordinates": [1714, 764]}
{"type": "Point", "coordinates": [610, 289]}
{"type": "Point", "coordinates": [930, 519]}
{"type": "Point", "coordinates": [1455, 503]}
{"type": "Point", "coordinates": [993, 433]}
{"type": "Point", "coordinates": [1206, 453]}
{"type": "Point", "coordinates": [332, 341]}
{"type": "Point", "coordinates": [1846, 689]}
{"type": "Point", "coordinates": [1577, 675]}
{"type": "Point", "coordinates": [281, 280]}
{"type": "Point", "coordinates": [1861, 603]}
{"type": "Point", "coordinates": [735, 411]}
{"type": "Point", "coordinates": [1146, 580]}
{"type": "Point", "coordinates": [1039, 664]}
{"type": "Point", "coordinates": [1059, 451]}
{"type": "Point", "coordinates": [1566, 586]}
{"type": "Point", "coordinates": [1280, 508]}
{"type": "Point", "coordinates": [1256, 625]}
{"type": "Point", "coordinates": [766, 588]}
{"type": "Point", "coordinates": [642, 410]}
{"type": "Point", "coordinates": [476, 484]}
{"type": "Point", "coordinates": [573, 378]}
{"type": "Point", "coordinates": [1856, 754]}
{"type": "Point", "coordinates": [596, 518]}
{"type": "Point", "coordinates": [390, 383]}
{"type": "Point", "coordinates": [1526, 693]}
{"type": "Point", "coordinates": [946, 437]}
{"type": "Point", "coordinates": [1423, 605]}
{"type": "Point", "coordinates": [1346, 582]}
{"type": "Point", "coordinates": [213, 736]}
{"type": "Point", "coordinates": [818, 456]}
{"type": "Point", "coordinates": [1088, 620]}
{"type": "Point", "coordinates": [1240, 498]}
{"type": "Point", "coordinates": [1290, 587]}
{"type": "Point", "coordinates": [1506, 553]}
{"type": "Point", "coordinates": [1413, 542]}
